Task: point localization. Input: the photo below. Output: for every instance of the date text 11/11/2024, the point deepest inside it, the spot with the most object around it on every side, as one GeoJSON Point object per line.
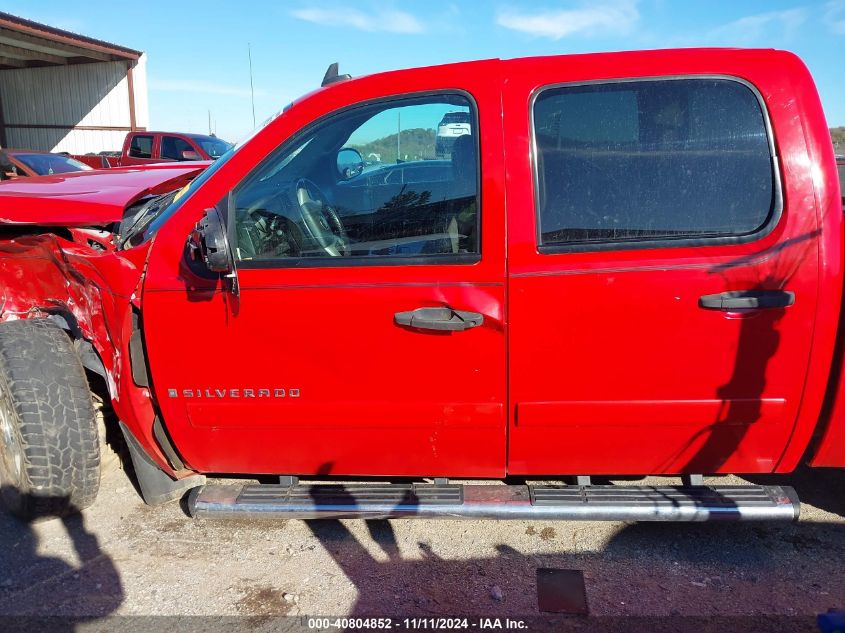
{"type": "Point", "coordinates": [325, 624]}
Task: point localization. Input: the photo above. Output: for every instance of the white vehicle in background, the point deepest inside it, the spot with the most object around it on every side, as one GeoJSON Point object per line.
{"type": "Point", "coordinates": [451, 126]}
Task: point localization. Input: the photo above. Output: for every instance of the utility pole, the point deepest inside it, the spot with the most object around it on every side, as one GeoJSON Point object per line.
{"type": "Point", "coordinates": [398, 134]}
{"type": "Point", "coordinates": [251, 89]}
{"type": "Point", "coordinates": [209, 122]}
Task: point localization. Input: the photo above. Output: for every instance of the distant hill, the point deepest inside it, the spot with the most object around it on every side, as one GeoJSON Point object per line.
{"type": "Point", "coordinates": [414, 144]}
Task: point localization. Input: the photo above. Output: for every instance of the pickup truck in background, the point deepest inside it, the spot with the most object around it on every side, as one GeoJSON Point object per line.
{"type": "Point", "coordinates": [631, 265]}
{"type": "Point", "coordinates": [140, 148]}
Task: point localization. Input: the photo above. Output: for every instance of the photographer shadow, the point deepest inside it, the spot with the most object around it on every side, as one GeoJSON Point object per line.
{"type": "Point", "coordinates": [697, 564]}
{"type": "Point", "coordinates": [48, 593]}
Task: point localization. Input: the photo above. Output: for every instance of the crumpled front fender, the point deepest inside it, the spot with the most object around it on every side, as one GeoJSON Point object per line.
{"type": "Point", "coordinates": [95, 293]}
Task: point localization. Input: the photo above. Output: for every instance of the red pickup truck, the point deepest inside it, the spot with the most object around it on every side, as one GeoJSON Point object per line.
{"type": "Point", "coordinates": [141, 148]}
{"type": "Point", "coordinates": [632, 265]}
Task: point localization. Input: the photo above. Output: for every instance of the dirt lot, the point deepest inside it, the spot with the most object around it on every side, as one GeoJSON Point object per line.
{"type": "Point", "coordinates": [122, 558]}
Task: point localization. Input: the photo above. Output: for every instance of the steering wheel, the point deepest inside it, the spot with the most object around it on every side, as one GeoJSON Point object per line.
{"type": "Point", "coordinates": [321, 221]}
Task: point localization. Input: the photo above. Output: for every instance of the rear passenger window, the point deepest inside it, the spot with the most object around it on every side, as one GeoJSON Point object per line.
{"type": "Point", "coordinates": [141, 147]}
{"type": "Point", "coordinates": [640, 161]}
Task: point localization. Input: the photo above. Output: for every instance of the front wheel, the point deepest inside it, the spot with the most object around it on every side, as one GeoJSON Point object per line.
{"type": "Point", "coordinates": [49, 446]}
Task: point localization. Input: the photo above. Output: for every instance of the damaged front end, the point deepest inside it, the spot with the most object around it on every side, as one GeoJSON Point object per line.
{"type": "Point", "coordinates": [86, 280]}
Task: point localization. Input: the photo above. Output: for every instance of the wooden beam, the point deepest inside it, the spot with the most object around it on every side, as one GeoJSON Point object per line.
{"type": "Point", "coordinates": [16, 63]}
{"type": "Point", "coordinates": [60, 126]}
{"type": "Point", "coordinates": [81, 51]}
{"type": "Point", "coordinates": [64, 41]}
{"type": "Point", "coordinates": [8, 50]}
{"type": "Point", "coordinates": [130, 80]}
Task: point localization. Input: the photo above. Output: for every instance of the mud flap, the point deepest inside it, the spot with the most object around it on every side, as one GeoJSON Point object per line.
{"type": "Point", "coordinates": [157, 487]}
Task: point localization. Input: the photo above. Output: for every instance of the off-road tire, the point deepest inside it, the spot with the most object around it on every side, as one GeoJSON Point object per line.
{"type": "Point", "coordinates": [49, 445]}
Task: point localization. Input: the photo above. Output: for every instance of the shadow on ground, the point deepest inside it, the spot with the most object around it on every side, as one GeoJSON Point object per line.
{"type": "Point", "coordinates": [823, 488]}
{"type": "Point", "coordinates": [32, 584]}
{"type": "Point", "coordinates": [756, 576]}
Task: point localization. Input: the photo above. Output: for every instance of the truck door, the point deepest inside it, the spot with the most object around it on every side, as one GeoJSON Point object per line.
{"type": "Point", "coordinates": [662, 275]}
{"type": "Point", "coordinates": [366, 335]}
{"type": "Point", "coordinates": [140, 149]}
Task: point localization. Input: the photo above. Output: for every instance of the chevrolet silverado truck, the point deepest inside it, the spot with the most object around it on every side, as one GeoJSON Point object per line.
{"type": "Point", "coordinates": [632, 265]}
{"type": "Point", "coordinates": [142, 148]}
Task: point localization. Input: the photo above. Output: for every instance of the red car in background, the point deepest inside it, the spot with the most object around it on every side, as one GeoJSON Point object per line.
{"type": "Point", "coordinates": [141, 148]}
{"type": "Point", "coordinates": [15, 163]}
{"type": "Point", "coordinates": [153, 147]}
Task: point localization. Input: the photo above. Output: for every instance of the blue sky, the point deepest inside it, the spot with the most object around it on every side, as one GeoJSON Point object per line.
{"type": "Point", "coordinates": [198, 50]}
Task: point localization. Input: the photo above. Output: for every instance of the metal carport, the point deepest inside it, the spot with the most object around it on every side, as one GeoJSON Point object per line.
{"type": "Point", "coordinates": [60, 91]}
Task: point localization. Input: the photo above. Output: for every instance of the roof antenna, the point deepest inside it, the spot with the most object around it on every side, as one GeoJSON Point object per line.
{"type": "Point", "coordinates": [332, 75]}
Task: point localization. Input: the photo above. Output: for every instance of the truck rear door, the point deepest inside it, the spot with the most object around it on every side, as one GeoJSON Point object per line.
{"type": "Point", "coordinates": [663, 264]}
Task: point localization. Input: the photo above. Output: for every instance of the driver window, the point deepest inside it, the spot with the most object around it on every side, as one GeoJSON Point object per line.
{"type": "Point", "coordinates": [395, 180]}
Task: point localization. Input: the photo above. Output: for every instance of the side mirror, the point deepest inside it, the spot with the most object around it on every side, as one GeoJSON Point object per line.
{"type": "Point", "coordinates": [350, 163]}
{"type": "Point", "coordinates": [189, 154]}
{"type": "Point", "coordinates": [210, 244]}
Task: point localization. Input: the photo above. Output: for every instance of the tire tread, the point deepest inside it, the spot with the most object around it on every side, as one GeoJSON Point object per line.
{"type": "Point", "coordinates": [57, 424]}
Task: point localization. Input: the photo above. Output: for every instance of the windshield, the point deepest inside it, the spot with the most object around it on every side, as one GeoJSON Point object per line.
{"type": "Point", "coordinates": [151, 222]}
{"type": "Point", "coordinates": [211, 145]}
{"type": "Point", "coordinates": [150, 228]}
{"type": "Point", "coordinates": [455, 117]}
{"type": "Point", "coordinates": [46, 164]}
{"type": "Point", "coordinates": [148, 222]}
{"type": "Point", "coordinates": [139, 216]}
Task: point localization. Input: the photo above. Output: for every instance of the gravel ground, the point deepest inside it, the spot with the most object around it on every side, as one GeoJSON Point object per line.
{"type": "Point", "coordinates": [122, 558]}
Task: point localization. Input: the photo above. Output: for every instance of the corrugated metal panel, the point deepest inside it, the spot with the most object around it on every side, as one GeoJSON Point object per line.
{"type": "Point", "coordinates": [73, 141]}
{"type": "Point", "coordinates": [75, 95]}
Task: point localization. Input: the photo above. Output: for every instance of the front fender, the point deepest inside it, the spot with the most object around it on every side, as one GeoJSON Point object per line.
{"type": "Point", "coordinates": [95, 294]}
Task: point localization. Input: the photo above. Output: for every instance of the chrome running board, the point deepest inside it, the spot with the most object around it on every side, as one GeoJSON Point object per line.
{"type": "Point", "coordinates": [496, 501]}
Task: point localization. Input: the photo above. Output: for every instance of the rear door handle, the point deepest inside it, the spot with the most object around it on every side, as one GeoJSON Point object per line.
{"type": "Point", "coordinates": [748, 300]}
{"type": "Point", "coordinates": [443, 319]}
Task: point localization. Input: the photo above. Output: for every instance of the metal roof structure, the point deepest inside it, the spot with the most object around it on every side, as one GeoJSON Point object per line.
{"type": "Point", "coordinates": [27, 44]}
{"type": "Point", "coordinates": [62, 91]}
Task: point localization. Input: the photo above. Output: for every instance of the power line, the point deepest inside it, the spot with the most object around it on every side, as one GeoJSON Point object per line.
{"type": "Point", "coordinates": [251, 89]}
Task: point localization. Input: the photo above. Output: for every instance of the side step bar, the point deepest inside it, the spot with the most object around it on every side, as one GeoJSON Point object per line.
{"type": "Point", "coordinates": [495, 501]}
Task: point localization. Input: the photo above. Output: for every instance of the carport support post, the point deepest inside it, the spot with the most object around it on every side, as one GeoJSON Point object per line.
{"type": "Point", "coordinates": [130, 81]}
{"type": "Point", "coordinates": [3, 141]}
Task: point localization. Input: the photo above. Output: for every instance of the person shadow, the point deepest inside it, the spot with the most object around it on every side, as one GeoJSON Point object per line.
{"type": "Point", "coordinates": [758, 342]}
{"type": "Point", "coordinates": [686, 575]}
{"type": "Point", "coordinates": [628, 567]}
{"type": "Point", "coordinates": [41, 592]}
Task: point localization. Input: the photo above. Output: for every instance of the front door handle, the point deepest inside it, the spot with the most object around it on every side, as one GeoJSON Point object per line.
{"type": "Point", "coordinates": [443, 319]}
{"type": "Point", "coordinates": [747, 300]}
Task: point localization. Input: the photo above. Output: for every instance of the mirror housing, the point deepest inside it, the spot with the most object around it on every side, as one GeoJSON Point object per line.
{"type": "Point", "coordinates": [189, 154]}
{"type": "Point", "coordinates": [350, 163]}
{"type": "Point", "coordinates": [210, 244]}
